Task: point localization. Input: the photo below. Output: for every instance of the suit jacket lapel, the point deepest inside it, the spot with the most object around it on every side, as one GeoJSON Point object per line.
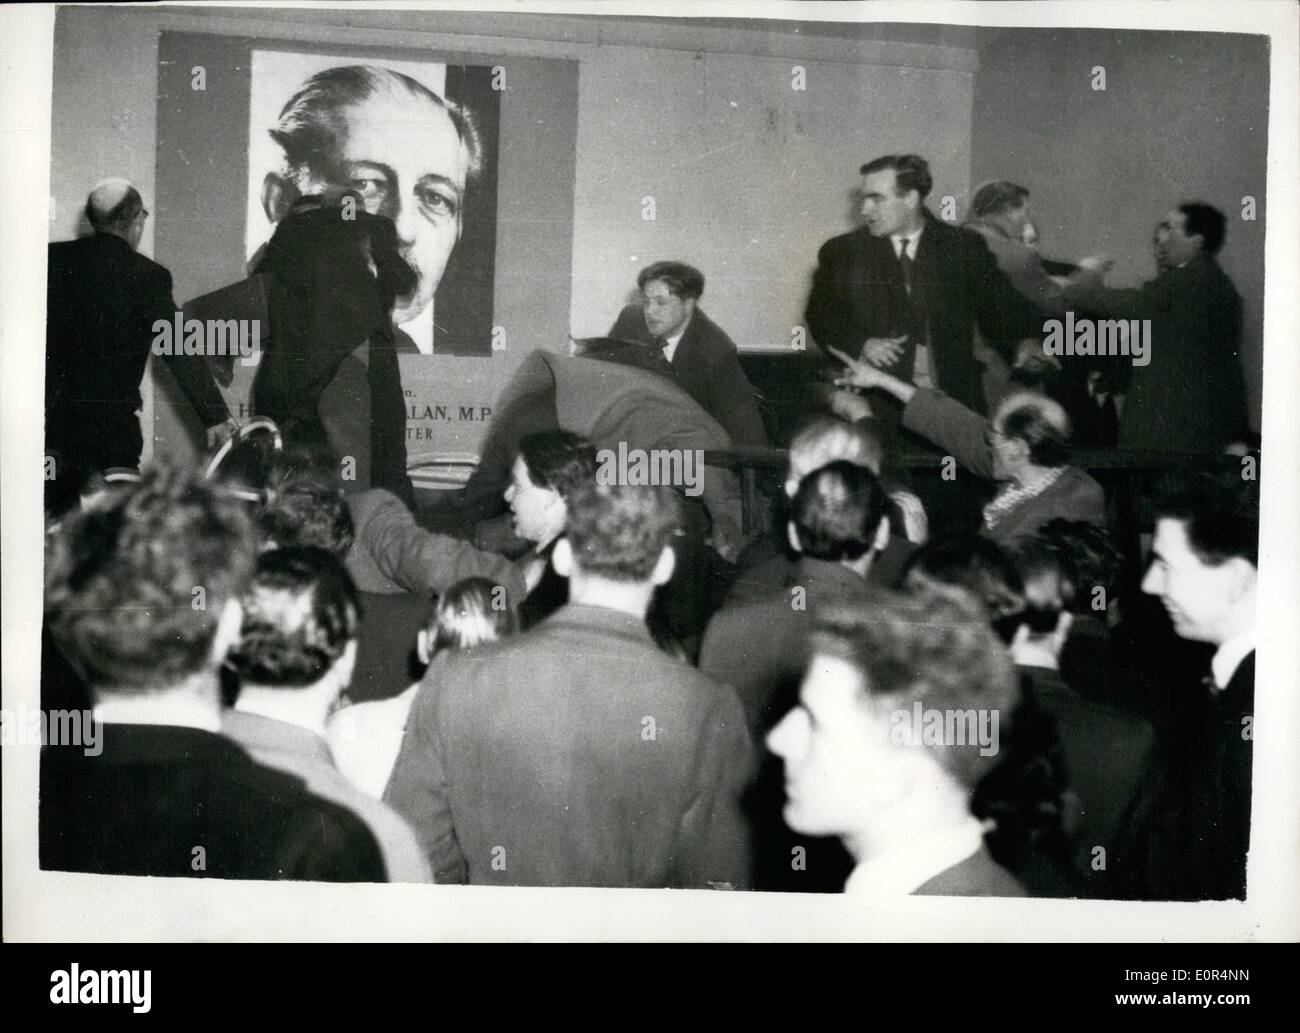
{"type": "Point", "coordinates": [686, 348]}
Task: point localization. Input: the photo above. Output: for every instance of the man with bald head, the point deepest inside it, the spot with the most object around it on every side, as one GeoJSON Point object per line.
{"type": "Point", "coordinates": [103, 298]}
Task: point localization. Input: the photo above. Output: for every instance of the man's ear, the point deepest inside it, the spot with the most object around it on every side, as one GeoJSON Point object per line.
{"type": "Point", "coordinates": [562, 558]}
{"type": "Point", "coordinates": [1243, 573]}
{"type": "Point", "coordinates": [792, 536]}
{"type": "Point", "coordinates": [882, 535]}
{"type": "Point", "coordinates": [664, 566]}
{"type": "Point", "coordinates": [226, 636]}
{"type": "Point", "coordinates": [278, 196]}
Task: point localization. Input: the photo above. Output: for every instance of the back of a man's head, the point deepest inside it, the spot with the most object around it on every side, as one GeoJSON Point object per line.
{"type": "Point", "coordinates": [1040, 422]}
{"type": "Point", "coordinates": [113, 206]}
{"type": "Point", "coordinates": [978, 566]}
{"type": "Point", "coordinates": [1084, 560]}
{"type": "Point", "coordinates": [996, 197]}
{"type": "Point", "coordinates": [1207, 222]}
{"type": "Point", "coordinates": [136, 586]}
{"type": "Point", "coordinates": [1219, 511]}
{"type": "Point", "coordinates": [305, 505]}
{"type": "Point", "coordinates": [837, 512]}
{"type": "Point", "coordinates": [825, 439]}
{"type": "Point", "coordinates": [931, 647]}
{"type": "Point", "coordinates": [618, 531]}
{"type": "Point", "coordinates": [300, 613]}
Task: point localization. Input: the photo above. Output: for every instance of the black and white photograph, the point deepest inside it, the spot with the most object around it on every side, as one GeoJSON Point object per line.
{"type": "Point", "coordinates": [657, 471]}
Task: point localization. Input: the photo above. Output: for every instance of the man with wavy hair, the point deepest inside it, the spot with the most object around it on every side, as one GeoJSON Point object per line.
{"type": "Point", "coordinates": [142, 596]}
{"type": "Point", "coordinates": [858, 765]}
{"type": "Point", "coordinates": [295, 656]}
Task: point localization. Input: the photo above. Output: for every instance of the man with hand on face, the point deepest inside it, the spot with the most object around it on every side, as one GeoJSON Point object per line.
{"type": "Point", "coordinates": [702, 356]}
{"type": "Point", "coordinates": [906, 291]}
{"type": "Point", "coordinates": [408, 153]}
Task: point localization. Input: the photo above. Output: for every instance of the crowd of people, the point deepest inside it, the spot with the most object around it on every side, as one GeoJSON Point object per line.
{"type": "Point", "coordinates": [944, 724]}
{"type": "Point", "coordinates": [310, 677]}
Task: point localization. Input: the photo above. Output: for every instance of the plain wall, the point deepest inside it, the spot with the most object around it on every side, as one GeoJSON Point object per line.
{"type": "Point", "coordinates": [748, 176]}
{"type": "Point", "coordinates": [1184, 116]}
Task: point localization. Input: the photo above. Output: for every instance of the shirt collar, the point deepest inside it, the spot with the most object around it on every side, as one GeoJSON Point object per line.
{"type": "Point", "coordinates": [1229, 656]}
{"type": "Point", "coordinates": [176, 712]}
{"type": "Point", "coordinates": [905, 869]}
{"type": "Point", "coordinates": [897, 240]}
{"type": "Point", "coordinates": [670, 345]}
{"type": "Point", "coordinates": [253, 726]}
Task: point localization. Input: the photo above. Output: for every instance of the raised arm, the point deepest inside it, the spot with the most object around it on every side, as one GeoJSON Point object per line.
{"type": "Point", "coordinates": [423, 561]}
{"type": "Point", "coordinates": [932, 414]}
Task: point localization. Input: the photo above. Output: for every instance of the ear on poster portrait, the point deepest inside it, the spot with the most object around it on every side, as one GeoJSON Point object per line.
{"type": "Point", "coordinates": [279, 194]}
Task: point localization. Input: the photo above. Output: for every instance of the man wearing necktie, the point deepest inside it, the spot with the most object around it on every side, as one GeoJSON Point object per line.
{"type": "Point", "coordinates": [702, 356]}
{"type": "Point", "coordinates": [1204, 562]}
{"type": "Point", "coordinates": [906, 291]}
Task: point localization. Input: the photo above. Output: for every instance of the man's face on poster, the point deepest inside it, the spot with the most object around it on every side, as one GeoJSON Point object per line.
{"type": "Point", "coordinates": [402, 154]}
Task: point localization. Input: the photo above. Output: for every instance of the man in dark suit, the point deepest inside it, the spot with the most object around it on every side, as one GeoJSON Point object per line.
{"type": "Point", "coordinates": [1110, 757]}
{"type": "Point", "coordinates": [838, 527]}
{"type": "Point", "coordinates": [329, 374]}
{"type": "Point", "coordinates": [578, 753]}
{"type": "Point", "coordinates": [906, 292]}
{"type": "Point", "coordinates": [702, 357]}
{"type": "Point", "coordinates": [1192, 393]}
{"type": "Point", "coordinates": [294, 659]}
{"type": "Point", "coordinates": [103, 300]}
{"type": "Point", "coordinates": [874, 752]}
{"type": "Point", "coordinates": [1204, 562]}
{"type": "Point", "coordinates": [142, 597]}
{"type": "Point", "coordinates": [410, 154]}
{"type": "Point", "coordinates": [769, 566]}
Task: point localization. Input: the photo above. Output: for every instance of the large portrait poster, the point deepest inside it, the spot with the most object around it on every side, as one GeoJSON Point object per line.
{"type": "Point", "coordinates": [247, 126]}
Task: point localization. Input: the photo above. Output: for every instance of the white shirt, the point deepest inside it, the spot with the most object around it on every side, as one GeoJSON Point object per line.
{"type": "Point", "coordinates": [922, 375]}
{"type": "Point", "coordinates": [912, 239]}
{"type": "Point", "coordinates": [899, 872]}
{"type": "Point", "coordinates": [366, 738]}
{"type": "Point", "coordinates": [1229, 656]}
{"type": "Point", "coordinates": [670, 349]}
